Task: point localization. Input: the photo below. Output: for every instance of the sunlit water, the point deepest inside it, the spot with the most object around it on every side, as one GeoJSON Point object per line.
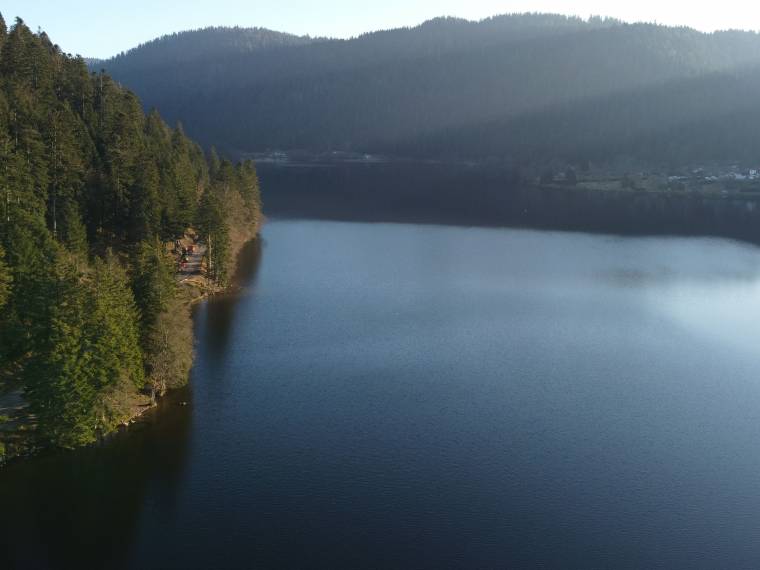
{"type": "Point", "coordinates": [421, 396]}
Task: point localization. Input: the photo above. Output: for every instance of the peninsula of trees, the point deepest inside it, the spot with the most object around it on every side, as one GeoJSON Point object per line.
{"type": "Point", "coordinates": [92, 193]}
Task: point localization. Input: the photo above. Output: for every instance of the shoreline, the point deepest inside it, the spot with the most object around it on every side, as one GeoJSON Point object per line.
{"type": "Point", "coordinates": [194, 293]}
{"type": "Point", "coordinates": [189, 294]}
{"type": "Point", "coordinates": [455, 195]}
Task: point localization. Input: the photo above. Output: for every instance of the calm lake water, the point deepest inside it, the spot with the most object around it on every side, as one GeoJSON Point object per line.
{"type": "Point", "coordinates": [408, 396]}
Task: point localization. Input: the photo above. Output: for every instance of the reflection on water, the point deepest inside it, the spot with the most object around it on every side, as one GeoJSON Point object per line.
{"type": "Point", "coordinates": [220, 319]}
{"type": "Point", "coordinates": [82, 509]}
{"type": "Point", "coordinates": [394, 396]}
{"type": "Point", "coordinates": [86, 509]}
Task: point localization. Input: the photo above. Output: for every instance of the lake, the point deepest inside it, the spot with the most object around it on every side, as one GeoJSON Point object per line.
{"type": "Point", "coordinates": [422, 396]}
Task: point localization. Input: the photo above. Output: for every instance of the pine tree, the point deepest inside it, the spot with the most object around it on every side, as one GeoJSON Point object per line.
{"type": "Point", "coordinates": [59, 377]}
{"type": "Point", "coordinates": [3, 31]}
{"type": "Point", "coordinates": [72, 230]}
{"type": "Point", "coordinates": [31, 255]}
{"type": "Point", "coordinates": [66, 162]}
{"type": "Point", "coordinates": [152, 282]}
{"type": "Point", "coordinates": [213, 229]}
{"type": "Point", "coordinates": [16, 62]}
{"type": "Point", "coordinates": [248, 183]}
{"type": "Point", "coordinates": [113, 327]}
{"type": "Point", "coordinates": [144, 212]}
{"type": "Point", "coordinates": [184, 180]}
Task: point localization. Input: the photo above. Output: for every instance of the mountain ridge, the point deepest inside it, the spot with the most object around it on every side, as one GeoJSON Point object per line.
{"type": "Point", "coordinates": [384, 90]}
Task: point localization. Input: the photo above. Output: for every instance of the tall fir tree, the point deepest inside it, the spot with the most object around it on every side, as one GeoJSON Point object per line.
{"type": "Point", "coordinates": [144, 205]}
{"type": "Point", "coordinates": [60, 378]}
{"type": "Point", "coordinates": [152, 282]}
{"type": "Point", "coordinates": [3, 31]}
{"type": "Point", "coordinates": [214, 230]}
{"type": "Point", "coordinates": [113, 326]}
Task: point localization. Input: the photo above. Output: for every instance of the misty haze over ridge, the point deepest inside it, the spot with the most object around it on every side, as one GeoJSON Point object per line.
{"type": "Point", "coordinates": [529, 87]}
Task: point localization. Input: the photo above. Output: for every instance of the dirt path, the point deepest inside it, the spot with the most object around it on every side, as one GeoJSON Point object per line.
{"type": "Point", "coordinates": [193, 266]}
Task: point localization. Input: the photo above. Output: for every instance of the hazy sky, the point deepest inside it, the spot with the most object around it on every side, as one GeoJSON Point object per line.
{"type": "Point", "coordinates": [98, 28]}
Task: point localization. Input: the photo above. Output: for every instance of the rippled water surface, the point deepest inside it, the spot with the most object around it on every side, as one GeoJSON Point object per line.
{"type": "Point", "coordinates": [422, 396]}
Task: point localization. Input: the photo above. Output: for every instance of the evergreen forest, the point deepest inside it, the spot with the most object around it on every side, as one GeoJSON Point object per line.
{"type": "Point", "coordinates": [94, 195]}
{"type": "Point", "coordinates": [521, 88]}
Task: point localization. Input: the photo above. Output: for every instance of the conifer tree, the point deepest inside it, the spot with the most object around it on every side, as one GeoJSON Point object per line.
{"type": "Point", "coordinates": [31, 255]}
{"type": "Point", "coordinates": [59, 377]}
{"type": "Point", "coordinates": [215, 232]}
{"type": "Point", "coordinates": [152, 282]}
{"type": "Point", "coordinates": [3, 30]}
{"type": "Point", "coordinates": [184, 180]}
{"type": "Point", "coordinates": [248, 182]}
{"type": "Point", "coordinates": [113, 327]}
{"type": "Point", "coordinates": [144, 205]}
{"type": "Point", "coordinates": [72, 230]}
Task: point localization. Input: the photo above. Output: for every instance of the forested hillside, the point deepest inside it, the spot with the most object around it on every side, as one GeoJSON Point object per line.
{"type": "Point", "coordinates": [93, 191]}
{"type": "Point", "coordinates": [523, 87]}
{"type": "Point", "coordinates": [208, 44]}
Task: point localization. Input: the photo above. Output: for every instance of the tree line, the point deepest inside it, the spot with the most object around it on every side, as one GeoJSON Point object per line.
{"type": "Point", "coordinates": [91, 192]}
{"type": "Point", "coordinates": [528, 87]}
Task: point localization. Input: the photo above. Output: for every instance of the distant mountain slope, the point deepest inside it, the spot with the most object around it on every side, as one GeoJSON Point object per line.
{"type": "Point", "coordinates": [207, 44]}
{"type": "Point", "coordinates": [515, 86]}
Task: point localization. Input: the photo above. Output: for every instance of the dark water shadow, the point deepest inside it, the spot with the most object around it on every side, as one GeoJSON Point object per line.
{"type": "Point", "coordinates": [217, 317]}
{"type": "Point", "coordinates": [497, 196]}
{"type": "Point", "coordinates": [82, 509]}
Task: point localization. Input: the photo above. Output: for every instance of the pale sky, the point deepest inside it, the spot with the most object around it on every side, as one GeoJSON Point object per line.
{"type": "Point", "coordinates": [98, 28]}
